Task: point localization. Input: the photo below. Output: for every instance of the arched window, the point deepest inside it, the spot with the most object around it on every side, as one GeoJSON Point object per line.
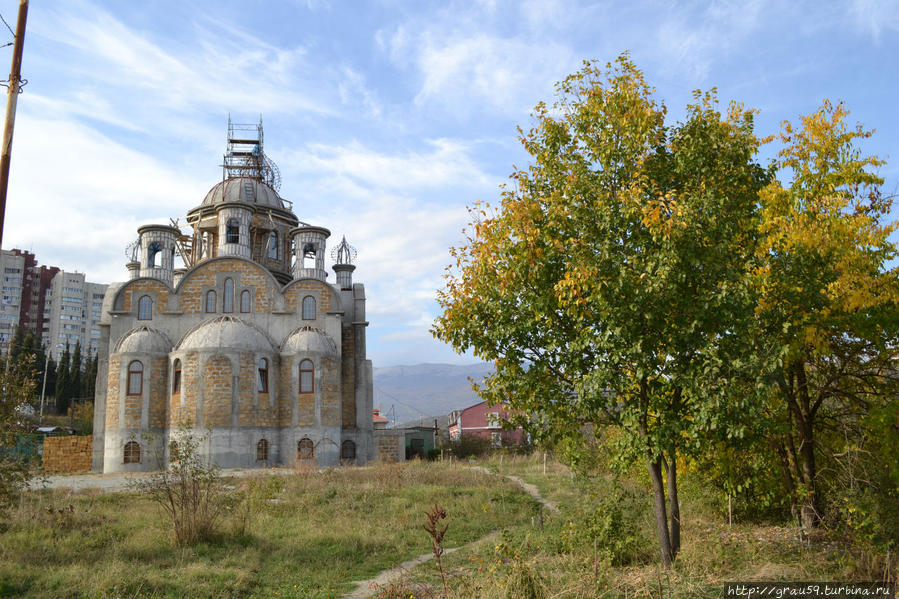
{"type": "Point", "coordinates": [210, 301]}
{"type": "Point", "coordinates": [176, 377]}
{"type": "Point", "coordinates": [305, 448]}
{"type": "Point", "coordinates": [262, 377]}
{"type": "Point", "coordinates": [307, 372]}
{"type": "Point", "coordinates": [262, 450]}
{"type": "Point", "coordinates": [273, 245]}
{"type": "Point", "coordinates": [152, 251]}
{"type": "Point", "coordinates": [232, 231]}
{"type": "Point", "coordinates": [308, 308]}
{"type": "Point", "coordinates": [309, 255]}
{"type": "Point", "coordinates": [135, 378]}
{"type": "Point", "coordinates": [228, 300]}
{"type": "Point", "coordinates": [145, 308]}
{"type": "Point", "coordinates": [244, 301]}
{"type": "Point", "coordinates": [132, 452]}
{"type": "Point", "coordinates": [347, 450]}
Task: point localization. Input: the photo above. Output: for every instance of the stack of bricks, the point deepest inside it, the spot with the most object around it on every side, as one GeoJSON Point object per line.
{"type": "Point", "coordinates": [68, 454]}
{"type": "Point", "coordinates": [391, 445]}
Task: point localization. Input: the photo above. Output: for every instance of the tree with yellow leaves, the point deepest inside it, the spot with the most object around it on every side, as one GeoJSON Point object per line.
{"type": "Point", "coordinates": [828, 301]}
{"type": "Point", "coordinates": [610, 286]}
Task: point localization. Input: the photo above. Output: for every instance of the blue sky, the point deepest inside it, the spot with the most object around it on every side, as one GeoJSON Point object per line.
{"type": "Point", "coordinates": [386, 118]}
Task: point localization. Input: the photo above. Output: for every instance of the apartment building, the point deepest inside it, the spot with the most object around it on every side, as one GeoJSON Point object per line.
{"type": "Point", "coordinates": [12, 269]}
{"type": "Point", "coordinates": [72, 311]}
{"type": "Point", "coordinates": [36, 280]}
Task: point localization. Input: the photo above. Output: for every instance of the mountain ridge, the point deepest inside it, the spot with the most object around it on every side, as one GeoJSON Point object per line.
{"type": "Point", "coordinates": [419, 392]}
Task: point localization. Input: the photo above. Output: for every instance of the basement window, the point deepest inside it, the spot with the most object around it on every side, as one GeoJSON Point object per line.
{"type": "Point", "coordinates": [262, 450]}
{"type": "Point", "coordinates": [132, 453]}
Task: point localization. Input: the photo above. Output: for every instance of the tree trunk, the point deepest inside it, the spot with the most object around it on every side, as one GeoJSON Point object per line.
{"type": "Point", "coordinates": [658, 486]}
{"type": "Point", "coordinates": [805, 427]}
{"type": "Point", "coordinates": [673, 506]}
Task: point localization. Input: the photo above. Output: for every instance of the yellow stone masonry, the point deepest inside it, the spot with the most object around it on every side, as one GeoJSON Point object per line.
{"type": "Point", "coordinates": [217, 391]}
{"type": "Point", "coordinates": [348, 355]}
{"type": "Point", "coordinates": [112, 394]}
{"type": "Point", "coordinates": [297, 291]}
{"type": "Point", "coordinates": [245, 275]}
{"type": "Point", "coordinates": [67, 454]}
{"type": "Point", "coordinates": [134, 290]}
{"type": "Point", "coordinates": [158, 391]}
{"type": "Point", "coordinates": [247, 410]}
{"type": "Point", "coordinates": [330, 392]}
{"type": "Point", "coordinates": [389, 448]}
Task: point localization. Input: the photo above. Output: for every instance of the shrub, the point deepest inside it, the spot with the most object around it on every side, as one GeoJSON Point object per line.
{"type": "Point", "coordinates": [16, 389]}
{"type": "Point", "coordinates": [189, 491]}
{"type": "Point", "coordinates": [611, 516]}
{"type": "Point", "coordinates": [468, 446]}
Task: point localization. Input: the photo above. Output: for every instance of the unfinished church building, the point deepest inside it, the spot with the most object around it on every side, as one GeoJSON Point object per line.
{"type": "Point", "coordinates": [249, 343]}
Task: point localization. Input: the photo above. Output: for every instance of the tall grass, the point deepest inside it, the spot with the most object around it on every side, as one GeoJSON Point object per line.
{"type": "Point", "coordinates": [308, 535]}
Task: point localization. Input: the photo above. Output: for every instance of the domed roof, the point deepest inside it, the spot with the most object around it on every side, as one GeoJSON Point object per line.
{"type": "Point", "coordinates": [226, 332]}
{"type": "Point", "coordinates": [144, 340]}
{"type": "Point", "coordinates": [308, 340]}
{"type": "Point", "coordinates": [244, 190]}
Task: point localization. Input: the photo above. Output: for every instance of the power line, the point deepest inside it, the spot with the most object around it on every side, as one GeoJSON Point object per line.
{"type": "Point", "coordinates": [393, 397]}
{"type": "Point", "coordinates": [7, 26]}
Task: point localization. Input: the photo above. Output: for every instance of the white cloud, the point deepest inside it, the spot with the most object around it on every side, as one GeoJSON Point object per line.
{"type": "Point", "coordinates": [445, 163]}
{"type": "Point", "coordinates": [355, 92]}
{"type": "Point", "coordinates": [875, 16]}
{"type": "Point", "coordinates": [220, 68]}
{"type": "Point", "coordinates": [689, 42]}
{"type": "Point", "coordinates": [505, 74]}
{"type": "Point", "coordinates": [81, 196]}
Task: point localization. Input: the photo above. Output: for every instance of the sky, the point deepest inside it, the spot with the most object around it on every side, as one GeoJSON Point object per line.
{"type": "Point", "coordinates": [387, 118]}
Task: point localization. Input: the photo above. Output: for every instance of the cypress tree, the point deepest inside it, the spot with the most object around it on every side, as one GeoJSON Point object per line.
{"type": "Point", "coordinates": [75, 374]}
{"type": "Point", "coordinates": [63, 382]}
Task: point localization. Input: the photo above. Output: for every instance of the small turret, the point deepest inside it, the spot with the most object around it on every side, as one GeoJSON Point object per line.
{"type": "Point", "coordinates": [157, 244]}
{"type": "Point", "coordinates": [344, 255]}
{"type": "Point", "coordinates": [309, 252]}
{"type": "Point", "coordinates": [234, 229]}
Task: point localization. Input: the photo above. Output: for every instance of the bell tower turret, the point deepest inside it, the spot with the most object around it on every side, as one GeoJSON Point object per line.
{"type": "Point", "coordinates": [309, 252]}
{"type": "Point", "coordinates": [157, 245]}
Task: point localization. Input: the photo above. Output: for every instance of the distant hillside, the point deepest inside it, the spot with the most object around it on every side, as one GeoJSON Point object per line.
{"type": "Point", "coordinates": [425, 391]}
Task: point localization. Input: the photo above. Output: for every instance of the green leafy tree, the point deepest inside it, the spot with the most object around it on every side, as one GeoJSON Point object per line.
{"type": "Point", "coordinates": [828, 301]}
{"type": "Point", "coordinates": [16, 389]}
{"type": "Point", "coordinates": [609, 285]}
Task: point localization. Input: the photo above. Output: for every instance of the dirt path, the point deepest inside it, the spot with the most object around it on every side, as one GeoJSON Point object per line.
{"type": "Point", "coordinates": [366, 588]}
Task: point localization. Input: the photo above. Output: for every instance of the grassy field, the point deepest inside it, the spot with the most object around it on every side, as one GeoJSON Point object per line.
{"type": "Point", "coordinates": [307, 535]}
{"type": "Point", "coordinates": [557, 559]}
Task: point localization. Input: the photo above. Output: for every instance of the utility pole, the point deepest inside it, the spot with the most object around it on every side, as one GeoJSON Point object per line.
{"type": "Point", "coordinates": [15, 87]}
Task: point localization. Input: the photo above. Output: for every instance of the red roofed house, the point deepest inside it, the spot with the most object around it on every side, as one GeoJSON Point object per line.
{"type": "Point", "coordinates": [378, 420]}
{"type": "Point", "coordinates": [485, 421]}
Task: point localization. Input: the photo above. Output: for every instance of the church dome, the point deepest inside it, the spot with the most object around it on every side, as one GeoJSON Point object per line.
{"type": "Point", "coordinates": [244, 190]}
{"type": "Point", "coordinates": [308, 340]}
{"type": "Point", "coordinates": [226, 332]}
{"type": "Point", "coordinates": [143, 340]}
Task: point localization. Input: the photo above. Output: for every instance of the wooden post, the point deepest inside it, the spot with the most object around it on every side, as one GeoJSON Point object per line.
{"type": "Point", "coordinates": [544, 463]}
{"type": "Point", "coordinates": [594, 558]}
{"type": "Point", "coordinates": [15, 81]}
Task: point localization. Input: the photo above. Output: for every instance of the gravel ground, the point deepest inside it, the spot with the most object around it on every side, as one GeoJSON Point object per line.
{"type": "Point", "coordinates": [120, 482]}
